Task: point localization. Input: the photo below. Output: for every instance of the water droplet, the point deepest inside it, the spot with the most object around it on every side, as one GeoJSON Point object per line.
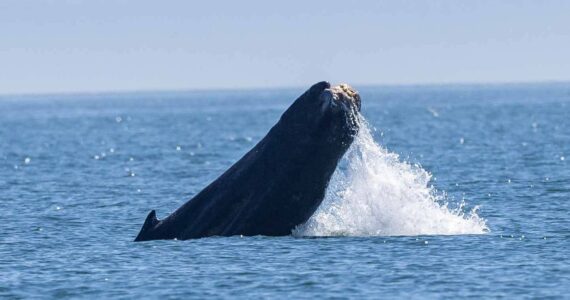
{"type": "Point", "coordinates": [27, 160]}
{"type": "Point", "coordinates": [433, 112]}
{"type": "Point", "coordinates": [112, 150]}
{"type": "Point", "coordinates": [178, 148]}
{"type": "Point", "coordinates": [509, 181]}
{"type": "Point", "coordinates": [118, 119]}
{"type": "Point", "coordinates": [57, 208]}
{"type": "Point", "coordinates": [562, 158]}
{"type": "Point", "coordinates": [138, 190]}
{"type": "Point", "coordinates": [426, 242]}
{"type": "Point", "coordinates": [461, 141]}
{"type": "Point", "coordinates": [131, 159]}
{"type": "Point", "coordinates": [96, 157]}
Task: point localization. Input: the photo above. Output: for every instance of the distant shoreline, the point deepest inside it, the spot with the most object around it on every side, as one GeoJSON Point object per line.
{"type": "Point", "coordinates": [364, 86]}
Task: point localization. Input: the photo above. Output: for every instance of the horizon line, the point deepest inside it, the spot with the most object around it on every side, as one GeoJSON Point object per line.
{"type": "Point", "coordinates": [269, 88]}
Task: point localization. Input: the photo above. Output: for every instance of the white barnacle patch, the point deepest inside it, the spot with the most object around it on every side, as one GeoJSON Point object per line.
{"type": "Point", "coordinates": [338, 97]}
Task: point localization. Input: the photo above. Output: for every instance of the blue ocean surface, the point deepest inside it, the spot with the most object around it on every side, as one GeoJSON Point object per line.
{"type": "Point", "coordinates": [451, 191]}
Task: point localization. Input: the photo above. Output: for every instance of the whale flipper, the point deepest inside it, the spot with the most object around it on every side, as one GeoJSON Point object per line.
{"type": "Point", "coordinates": [149, 224]}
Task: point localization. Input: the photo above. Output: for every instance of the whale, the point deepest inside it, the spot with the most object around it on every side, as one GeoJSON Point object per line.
{"type": "Point", "coordinates": [280, 182]}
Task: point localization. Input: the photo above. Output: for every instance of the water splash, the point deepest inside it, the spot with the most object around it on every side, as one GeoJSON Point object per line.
{"type": "Point", "coordinates": [373, 193]}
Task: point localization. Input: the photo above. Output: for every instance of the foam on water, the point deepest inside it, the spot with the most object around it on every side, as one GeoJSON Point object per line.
{"type": "Point", "coordinates": [373, 193]}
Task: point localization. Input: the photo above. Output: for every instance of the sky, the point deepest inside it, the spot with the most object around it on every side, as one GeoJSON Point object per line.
{"type": "Point", "coordinates": [129, 45]}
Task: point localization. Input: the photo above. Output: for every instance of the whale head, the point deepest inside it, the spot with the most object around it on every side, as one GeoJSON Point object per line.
{"type": "Point", "coordinates": [324, 116]}
{"type": "Point", "coordinates": [278, 184]}
{"type": "Point", "coordinates": [305, 147]}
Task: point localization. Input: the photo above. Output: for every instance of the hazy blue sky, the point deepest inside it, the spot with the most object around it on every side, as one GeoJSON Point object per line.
{"type": "Point", "coordinates": [54, 46]}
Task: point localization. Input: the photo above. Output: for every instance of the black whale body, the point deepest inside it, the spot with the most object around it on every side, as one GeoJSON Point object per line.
{"type": "Point", "coordinates": [279, 183]}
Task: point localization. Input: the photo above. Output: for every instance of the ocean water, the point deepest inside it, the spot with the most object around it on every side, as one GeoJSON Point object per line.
{"type": "Point", "coordinates": [448, 192]}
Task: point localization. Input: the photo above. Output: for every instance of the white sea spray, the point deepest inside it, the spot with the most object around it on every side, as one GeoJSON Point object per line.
{"type": "Point", "coordinates": [374, 193]}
